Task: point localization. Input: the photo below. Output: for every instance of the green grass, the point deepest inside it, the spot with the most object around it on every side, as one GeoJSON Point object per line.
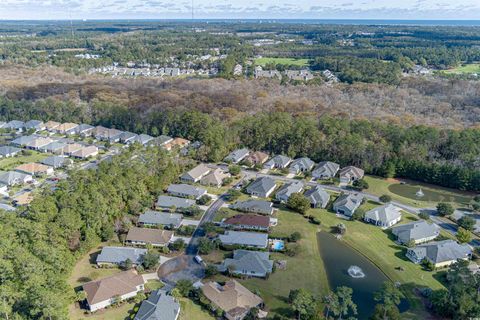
{"type": "Point", "coordinates": [10, 163]}
{"type": "Point", "coordinates": [191, 311]}
{"type": "Point", "coordinates": [225, 213]}
{"type": "Point", "coordinates": [153, 285]}
{"type": "Point", "coordinates": [122, 312]}
{"type": "Point", "coordinates": [285, 61]}
{"type": "Point", "coordinates": [465, 69]}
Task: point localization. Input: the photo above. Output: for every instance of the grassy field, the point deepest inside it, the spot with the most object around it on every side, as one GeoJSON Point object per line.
{"type": "Point", "coordinates": [465, 69]}
{"type": "Point", "coordinates": [192, 311]}
{"type": "Point", "coordinates": [121, 312]}
{"type": "Point", "coordinates": [10, 163]}
{"type": "Point", "coordinates": [285, 61]}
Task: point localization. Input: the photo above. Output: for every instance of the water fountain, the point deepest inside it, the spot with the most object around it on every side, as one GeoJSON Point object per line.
{"type": "Point", "coordinates": [419, 193]}
{"type": "Point", "coordinates": [356, 272]}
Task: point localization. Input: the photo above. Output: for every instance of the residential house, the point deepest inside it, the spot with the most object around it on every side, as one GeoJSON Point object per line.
{"type": "Point", "coordinates": [169, 202]}
{"type": "Point", "coordinates": [112, 135]}
{"type": "Point", "coordinates": [246, 239]}
{"type": "Point", "coordinates": [301, 165]}
{"type": "Point", "coordinates": [22, 141]}
{"type": "Point", "coordinates": [118, 256]}
{"type": "Point", "coordinates": [70, 148]}
{"type": "Point", "coordinates": [7, 152]}
{"type": "Point", "coordinates": [277, 162]}
{"type": "Point", "coordinates": [15, 125]}
{"type": "Point", "coordinates": [440, 253]}
{"type": "Point", "coordinates": [105, 292]}
{"type": "Point", "coordinates": [347, 203]}
{"type": "Point", "coordinates": [318, 197]}
{"type": "Point", "coordinates": [176, 143]}
{"type": "Point", "coordinates": [237, 155]}
{"type": "Point", "coordinates": [84, 130]}
{"type": "Point", "coordinates": [186, 191]}
{"type": "Point", "coordinates": [85, 152]}
{"type": "Point", "coordinates": [261, 187]}
{"type": "Point", "coordinates": [128, 137]}
{"type": "Point", "coordinates": [288, 189]}
{"type": "Point", "coordinates": [11, 178]}
{"type": "Point", "coordinates": [248, 263]}
{"type": "Point", "coordinates": [196, 174]}
{"type": "Point", "coordinates": [35, 125]}
{"type": "Point", "coordinates": [299, 75]}
{"type": "Point", "coordinates": [6, 207]}
{"type": "Point", "coordinates": [215, 178]}
{"type": "Point", "coordinates": [23, 199]}
{"type": "Point", "coordinates": [143, 236]}
{"type": "Point", "coordinates": [154, 219]}
{"type": "Point", "coordinates": [34, 169]}
{"type": "Point", "coordinates": [271, 74]}
{"type": "Point", "coordinates": [56, 162]}
{"type": "Point", "coordinates": [55, 147]}
{"type": "Point", "coordinates": [350, 174]}
{"type": "Point", "coordinates": [257, 158]}
{"type": "Point", "coordinates": [247, 222]}
{"type": "Point", "coordinates": [100, 133]}
{"type": "Point", "coordinates": [325, 170]}
{"type": "Point", "coordinates": [233, 298]}
{"type": "Point", "coordinates": [254, 206]}
{"type": "Point", "coordinates": [161, 140]}
{"type": "Point", "coordinates": [417, 232]}
{"type": "Point", "coordinates": [384, 216]}
{"type": "Point", "coordinates": [143, 139]}
{"type": "Point", "coordinates": [159, 306]}
{"type": "Point", "coordinates": [67, 128]}
{"type": "Point", "coordinates": [37, 143]}
{"type": "Point", "coordinates": [51, 125]}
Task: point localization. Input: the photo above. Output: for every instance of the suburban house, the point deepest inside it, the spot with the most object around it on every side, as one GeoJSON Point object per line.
{"type": "Point", "coordinates": [318, 197]}
{"type": "Point", "coordinates": [118, 256]}
{"type": "Point", "coordinates": [66, 128]}
{"type": "Point", "coordinates": [169, 202]}
{"type": "Point", "coordinates": [176, 143]}
{"type": "Point", "coordinates": [237, 155]}
{"type": "Point", "coordinates": [23, 140]}
{"type": "Point", "coordinates": [85, 152]}
{"type": "Point", "coordinates": [261, 187]}
{"type": "Point", "coordinates": [143, 139]}
{"type": "Point", "coordinates": [325, 170]}
{"type": "Point", "coordinates": [34, 169]}
{"type": "Point", "coordinates": [287, 190]}
{"type": "Point", "coordinates": [247, 239]}
{"type": "Point", "coordinates": [11, 178]}
{"type": "Point", "coordinates": [22, 199]}
{"type": "Point", "coordinates": [196, 174]}
{"type": "Point", "coordinates": [100, 132]}
{"type": "Point", "coordinates": [277, 162]}
{"type": "Point", "coordinates": [384, 216]}
{"type": "Point", "coordinates": [248, 263]}
{"type": "Point", "coordinates": [7, 152]}
{"type": "Point", "coordinates": [418, 231]}
{"type": "Point", "coordinates": [215, 178]}
{"type": "Point", "coordinates": [143, 236]}
{"type": "Point", "coordinates": [16, 125]}
{"type": "Point", "coordinates": [247, 222]}
{"type": "Point", "coordinates": [70, 148]}
{"type": "Point", "coordinates": [55, 147]}
{"type": "Point", "coordinates": [158, 306]}
{"type": "Point", "coordinates": [440, 253]}
{"type": "Point", "coordinates": [162, 140]}
{"type": "Point", "coordinates": [154, 218]}
{"type": "Point", "coordinates": [35, 125]}
{"type": "Point", "coordinates": [301, 165]}
{"type": "Point", "coordinates": [128, 137]}
{"type": "Point", "coordinates": [84, 130]}
{"type": "Point", "coordinates": [56, 162]}
{"type": "Point", "coordinates": [121, 286]}
{"type": "Point", "coordinates": [257, 158]}
{"type": "Point", "coordinates": [346, 204]}
{"type": "Point", "coordinates": [186, 191]}
{"type": "Point", "coordinates": [254, 206]}
{"type": "Point", "coordinates": [51, 125]}
{"type": "Point", "coordinates": [350, 174]}
{"type": "Point", "coordinates": [37, 143]}
{"type": "Point", "coordinates": [233, 298]}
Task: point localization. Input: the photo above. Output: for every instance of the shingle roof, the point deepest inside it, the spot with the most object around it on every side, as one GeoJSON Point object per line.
{"type": "Point", "coordinates": [416, 230]}
{"type": "Point", "coordinates": [288, 189]}
{"type": "Point", "coordinates": [121, 254]}
{"type": "Point", "coordinates": [169, 201]}
{"type": "Point", "coordinates": [215, 177]}
{"type": "Point", "coordinates": [244, 238]}
{"type": "Point", "coordinates": [23, 140]}
{"type": "Point", "coordinates": [158, 306]}
{"type": "Point", "coordinates": [318, 195]}
{"type": "Point", "coordinates": [261, 185]}
{"type": "Point", "coordinates": [7, 150]}
{"type": "Point", "coordinates": [442, 251]}
{"type": "Point", "coordinates": [384, 214]}
{"type": "Point", "coordinates": [56, 161]}
{"type": "Point", "coordinates": [197, 172]}
{"type": "Point", "coordinates": [34, 124]}
{"type": "Point", "coordinates": [127, 136]}
{"type": "Point", "coordinates": [279, 161]}
{"type": "Point", "coordinates": [143, 138]}
{"type": "Point", "coordinates": [15, 124]}
{"type": "Point", "coordinates": [349, 201]}
{"type": "Point", "coordinates": [237, 155]}
{"type": "Point", "coordinates": [186, 189]}
{"type": "Point", "coordinates": [32, 168]}
{"type": "Point", "coordinates": [10, 177]}
{"type": "Point", "coordinates": [154, 236]}
{"type": "Point", "coordinates": [251, 261]}
{"type": "Point", "coordinates": [302, 164]}
{"type": "Point", "coordinates": [253, 205]}
{"type": "Point", "coordinates": [54, 146]}
{"type": "Point", "coordinates": [326, 169]}
{"type": "Point", "coordinates": [248, 220]}
{"type": "Point", "coordinates": [351, 171]}
{"type": "Point", "coordinates": [154, 217]}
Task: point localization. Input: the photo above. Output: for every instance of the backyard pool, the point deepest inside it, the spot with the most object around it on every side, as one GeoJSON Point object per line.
{"type": "Point", "coordinates": [277, 245]}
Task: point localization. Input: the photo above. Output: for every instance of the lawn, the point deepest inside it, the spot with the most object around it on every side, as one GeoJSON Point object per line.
{"type": "Point", "coordinates": [285, 61]}
{"type": "Point", "coordinates": [465, 69]}
{"type": "Point", "coordinates": [10, 163]}
{"type": "Point", "coordinates": [122, 312]}
{"type": "Point", "coordinates": [225, 213]}
{"type": "Point", "coordinates": [191, 311]}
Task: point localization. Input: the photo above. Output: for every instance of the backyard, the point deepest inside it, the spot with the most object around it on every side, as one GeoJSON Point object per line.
{"type": "Point", "coordinates": [12, 162]}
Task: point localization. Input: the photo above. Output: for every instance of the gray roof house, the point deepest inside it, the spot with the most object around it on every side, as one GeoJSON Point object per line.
{"type": "Point", "coordinates": [167, 202]}
{"type": "Point", "coordinates": [384, 216]}
{"type": "Point", "coordinates": [350, 174]}
{"type": "Point", "coordinates": [143, 138]}
{"type": "Point", "coordinates": [261, 187]}
{"type": "Point", "coordinates": [54, 147]}
{"type": "Point", "coordinates": [23, 140]}
{"type": "Point", "coordinates": [325, 170]}
{"type": "Point", "coordinates": [301, 165]}
{"type": "Point", "coordinates": [7, 151]}
{"type": "Point", "coordinates": [440, 253]}
{"type": "Point", "coordinates": [84, 129]}
{"type": "Point", "coordinates": [248, 263]}
{"type": "Point", "coordinates": [196, 174]}
{"type": "Point", "coordinates": [237, 155]}
{"type": "Point", "coordinates": [118, 255]}
{"type": "Point", "coordinates": [247, 239]}
{"type": "Point", "coordinates": [186, 191]}
{"type": "Point", "coordinates": [318, 197]}
{"type": "Point", "coordinates": [158, 306]}
{"type": "Point", "coordinates": [11, 178]}
{"type": "Point", "coordinates": [277, 162]}
{"type": "Point", "coordinates": [346, 204]}
{"type": "Point", "coordinates": [15, 125]}
{"type": "Point", "coordinates": [128, 137]}
{"type": "Point", "coordinates": [288, 189]}
{"type": "Point", "coordinates": [154, 218]}
{"type": "Point", "coordinates": [418, 231]}
{"type": "Point", "coordinates": [255, 206]}
{"type": "Point", "coordinates": [162, 140]}
{"type": "Point", "coordinates": [56, 162]}
{"type": "Point", "coordinates": [36, 125]}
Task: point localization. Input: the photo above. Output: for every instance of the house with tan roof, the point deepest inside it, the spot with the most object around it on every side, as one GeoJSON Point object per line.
{"type": "Point", "coordinates": [105, 292]}
{"type": "Point", "coordinates": [233, 298]}
{"type": "Point", "coordinates": [38, 143]}
{"type": "Point", "coordinates": [66, 128]}
{"type": "Point", "coordinates": [51, 125]}
{"type": "Point", "coordinates": [257, 158]}
{"type": "Point", "coordinates": [23, 199]}
{"type": "Point", "coordinates": [196, 173]}
{"type": "Point", "coordinates": [215, 178]}
{"type": "Point", "coordinates": [34, 169]}
{"type": "Point", "coordinates": [85, 152]}
{"type": "Point", "coordinates": [350, 174]}
{"type": "Point", "coordinates": [71, 148]}
{"type": "Point", "coordinates": [177, 142]}
{"type": "Point", "coordinates": [143, 236]}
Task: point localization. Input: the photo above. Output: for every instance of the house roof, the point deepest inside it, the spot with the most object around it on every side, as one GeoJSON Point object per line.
{"type": "Point", "coordinates": [67, 126]}
{"type": "Point", "coordinates": [72, 147]}
{"type": "Point", "coordinates": [126, 136]}
{"type": "Point", "coordinates": [32, 168]}
{"type": "Point", "coordinates": [261, 185]}
{"type": "Point", "coordinates": [121, 254]}
{"type": "Point", "coordinates": [416, 230]}
{"type": "Point", "coordinates": [351, 171]}
{"type": "Point", "coordinates": [326, 168]}
{"type": "Point", "coordinates": [257, 157]}
{"type": "Point", "coordinates": [9, 177]}
{"type": "Point", "coordinates": [349, 201]}
{"type": "Point", "coordinates": [51, 125]}
{"type": "Point", "coordinates": [302, 164]}
{"type": "Point", "coordinates": [197, 172]}
{"type": "Point", "coordinates": [163, 218]}
{"type": "Point", "coordinates": [85, 152]}
{"type": "Point", "coordinates": [143, 138]}
{"type": "Point", "coordinates": [23, 140]}
{"type": "Point", "coordinates": [248, 220]}
{"type": "Point", "coordinates": [54, 146]}
{"type": "Point", "coordinates": [38, 142]}
{"type": "Point", "coordinates": [84, 127]}
{"type": "Point", "coordinates": [279, 161]}
{"type": "Point", "coordinates": [287, 189]}
{"type": "Point", "coordinates": [254, 205]}
{"type": "Point", "coordinates": [116, 285]}
{"type": "Point", "coordinates": [251, 261]}
{"type": "Point", "coordinates": [169, 201]}
{"type": "Point", "coordinates": [154, 236]}
{"type": "Point", "coordinates": [34, 124]}
{"type": "Point", "coordinates": [23, 199]}
{"type": "Point", "coordinates": [15, 124]}
{"type": "Point", "coordinates": [161, 140]}
{"type": "Point", "coordinates": [186, 189]}
{"type": "Point", "coordinates": [56, 161]}
{"type": "Point", "coordinates": [384, 214]}
{"type": "Point", "coordinates": [442, 251]}
{"type": "Point", "coordinates": [237, 155]}
{"type": "Point", "coordinates": [317, 195]}
{"type": "Point", "coordinates": [215, 177]}
{"type": "Point", "coordinates": [7, 150]}
{"type": "Point", "coordinates": [158, 306]}
{"type": "Point", "coordinates": [244, 238]}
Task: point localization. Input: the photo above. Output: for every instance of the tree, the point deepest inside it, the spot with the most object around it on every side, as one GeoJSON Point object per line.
{"type": "Point", "coordinates": [139, 297]}
{"type": "Point", "coordinates": [381, 312]}
{"type": "Point", "coordinates": [205, 246]}
{"type": "Point", "coordinates": [204, 200]}
{"type": "Point", "coordinates": [466, 222]}
{"type": "Point", "coordinates": [292, 249]}
{"type": "Point", "coordinates": [185, 287]}
{"type": "Point", "coordinates": [151, 260]}
{"type": "Point", "coordinates": [341, 228]}
{"type": "Point", "coordinates": [388, 299]}
{"type": "Point", "coordinates": [234, 170]}
{"type": "Point", "coordinates": [80, 296]}
{"type": "Point", "coordinates": [360, 184]}
{"type": "Point", "coordinates": [303, 303]}
{"type": "Point", "coordinates": [127, 264]}
{"type": "Point", "coordinates": [359, 214]}
{"type": "Point", "coordinates": [345, 305]}
{"type": "Point", "coordinates": [444, 209]}
{"type": "Point", "coordinates": [211, 270]}
{"type": "Point", "coordinates": [385, 198]}
{"type": "Point", "coordinates": [424, 215]}
{"type": "Point", "coordinates": [463, 235]}
{"type": "Point", "coordinates": [298, 202]}
{"type": "Point", "coordinates": [179, 244]}
{"type": "Point", "coordinates": [295, 236]}
{"type": "Point", "coordinates": [233, 195]}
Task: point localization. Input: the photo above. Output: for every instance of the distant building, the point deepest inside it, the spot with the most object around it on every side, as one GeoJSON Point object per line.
{"type": "Point", "coordinates": [440, 253]}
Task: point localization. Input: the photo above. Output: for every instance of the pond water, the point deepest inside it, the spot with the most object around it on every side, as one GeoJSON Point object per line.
{"type": "Point", "coordinates": [338, 258]}
{"type": "Point", "coordinates": [410, 191]}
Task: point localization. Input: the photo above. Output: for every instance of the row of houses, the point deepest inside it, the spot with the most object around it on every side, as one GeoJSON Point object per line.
{"type": "Point", "coordinates": [205, 175]}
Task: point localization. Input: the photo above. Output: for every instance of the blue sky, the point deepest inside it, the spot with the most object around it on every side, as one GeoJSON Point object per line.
{"type": "Point", "coordinates": [233, 9]}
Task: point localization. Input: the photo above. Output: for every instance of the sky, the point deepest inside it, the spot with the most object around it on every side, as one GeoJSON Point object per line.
{"type": "Point", "coordinates": [240, 9]}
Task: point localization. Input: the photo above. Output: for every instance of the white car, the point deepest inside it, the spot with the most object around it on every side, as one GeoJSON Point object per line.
{"type": "Point", "coordinates": [198, 259]}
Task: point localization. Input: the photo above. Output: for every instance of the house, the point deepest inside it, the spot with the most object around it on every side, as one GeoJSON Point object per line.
{"type": "Point", "coordinates": [34, 169]}
{"type": "Point", "coordinates": [169, 202]}
{"type": "Point", "coordinates": [418, 231]}
{"type": "Point", "coordinates": [186, 191]}
{"type": "Point", "coordinates": [85, 152]}
{"type": "Point", "coordinates": [143, 139]}
{"type": "Point", "coordinates": [84, 130]}
{"type": "Point", "coordinates": [66, 128]}
{"type": "Point", "coordinates": [70, 148]}
{"type": "Point", "coordinates": [11, 178]}
{"type": "Point", "coordinates": [56, 162]}
{"type": "Point", "coordinates": [301, 165]}
{"type": "Point", "coordinates": [440, 253]}
{"type": "Point", "coordinates": [22, 141]}
{"type": "Point", "coordinates": [162, 140]}
{"type": "Point", "coordinates": [299, 75]}
{"type": "Point", "coordinates": [318, 197]}
{"type": "Point", "coordinates": [16, 125]}
{"type": "Point", "coordinates": [247, 222]}
{"type": "Point", "coordinates": [35, 125]}
{"type": "Point", "coordinates": [105, 292]}
{"type": "Point", "coordinates": [277, 162]}
{"type": "Point", "coordinates": [176, 143]}
{"type": "Point", "coordinates": [325, 170]}
{"type": "Point", "coordinates": [384, 216]}
{"type": "Point", "coordinates": [51, 125]}
{"type": "Point", "coordinates": [196, 174]}
{"type": "Point", "coordinates": [261, 187]}
{"type": "Point", "coordinates": [143, 236]}
{"type": "Point", "coordinates": [350, 174]}
{"type": "Point", "coordinates": [112, 135]}
{"type": "Point", "coordinates": [233, 298]}
{"type": "Point", "coordinates": [246, 239]}
{"type": "Point", "coordinates": [287, 190]}
{"type": "Point", "coordinates": [100, 132]}
{"type": "Point", "coordinates": [154, 218]}
{"type": "Point", "coordinates": [118, 256]}
{"type": "Point", "coordinates": [23, 199]}
{"type": "Point", "coordinates": [248, 263]}
{"type": "Point", "coordinates": [271, 74]}
{"type": "Point", "coordinates": [6, 207]}
{"type": "Point", "coordinates": [128, 137]}
{"type": "Point", "coordinates": [215, 178]}
{"type": "Point", "coordinates": [55, 147]}
{"type": "Point", "coordinates": [158, 306]}
{"type": "Point", "coordinates": [257, 158]}
{"type": "Point", "coordinates": [7, 152]}
{"type": "Point", "coordinates": [37, 143]}
{"type": "Point", "coordinates": [237, 155]}
{"type": "Point", "coordinates": [346, 204]}
{"type": "Point", "coordinates": [254, 206]}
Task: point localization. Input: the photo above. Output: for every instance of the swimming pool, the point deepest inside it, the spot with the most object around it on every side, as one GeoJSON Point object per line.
{"type": "Point", "coordinates": [277, 245]}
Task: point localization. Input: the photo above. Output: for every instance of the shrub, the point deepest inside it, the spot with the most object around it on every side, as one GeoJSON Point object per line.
{"type": "Point", "coordinates": [204, 200]}
{"type": "Point", "coordinates": [294, 237]}
{"type": "Point", "coordinates": [292, 249]}
{"type": "Point", "coordinates": [424, 215]}
{"type": "Point", "coordinates": [360, 184]}
{"type": "Point", "coordinates": [444, 209]}
{"type": "Point", "coordinates": [385, 198]}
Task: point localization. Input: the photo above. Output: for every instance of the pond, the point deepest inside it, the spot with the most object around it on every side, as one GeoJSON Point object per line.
{"type": "Point", "coordinates": [410, 191]}
{"type": "Point", "coordinates": [338, 258]}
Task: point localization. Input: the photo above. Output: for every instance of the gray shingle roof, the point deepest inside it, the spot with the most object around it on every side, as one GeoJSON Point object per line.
{"type": "Point", "coordinates": [166, 219]}
{"type": "Point", "coordinates": [23, 140]}
{"type": "Point", "coordinates": [158, 306]}
{"type": "Point", "coordinates": [186, 189]}
{"type": "Point", "coordinates": [119, 255]}
{"type": "Point", "coordinates": [253, 205]}
{"type": "Point", "coordinates": [442, 251]}
{"type": "Point", "coordinates": [301, 165]}
{"type": "Point", "coordinates": [349, 201]}
{"type": "Point", "coordinates": [244, 238]}
{"type": "Point", "coordinates": [34, 124]}
{"type": "Point", "coordinates": [237, 155]}
{"type": "Point", "coordinates": [317, 195]}
{"type": "Point", "coordinates": [82, 128]}
{"type": "Point", "coordinates": [15, 124]}
{"type": "Point", "coordinates": [416, 231]}
{"type": "Point", "coordinates": [326, 169]}
{"type": "Point", "coordinates": [288, 189]}
{"type": "Point", "coordinates": [261, 185]}
{"type": "Point", "coordinates": [143, 138]}
{"type": "Point", "coordinates": [168, 202]}
{"type": "Point", "coordinates": [385, 214]}
{"type": "Point", "coordinates": [251, 261]}
{"type": "Point", "coordinates": [54, 146]}
{"type": "Point", "coordinates": [56, 161]}
{"type": "Point", "coordinates": [128, 136]}
{"type": "Point", "coordinates": [279, 161]}
{"type": "Point", "coordinates": [7, 151]}
{"type": "Point", "coordinates": [12, 177]}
